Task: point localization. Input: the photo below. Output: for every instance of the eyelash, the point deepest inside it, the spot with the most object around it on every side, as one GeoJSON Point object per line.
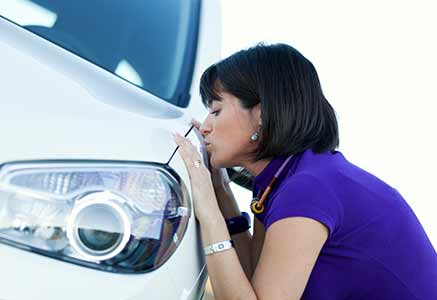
{"type": "Point", "coordinates": [216, 112]}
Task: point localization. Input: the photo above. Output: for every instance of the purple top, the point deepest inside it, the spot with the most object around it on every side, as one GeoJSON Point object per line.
{"type": "Point", "coordinates": [376, 248]}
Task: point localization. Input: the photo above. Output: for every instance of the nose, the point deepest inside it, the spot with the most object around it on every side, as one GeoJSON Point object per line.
{"type": "Point", "coordinates": [205, 127]}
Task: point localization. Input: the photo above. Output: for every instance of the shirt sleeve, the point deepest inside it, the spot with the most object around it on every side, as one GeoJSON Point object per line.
{"type": "Point", "coordinates": [304, 195]}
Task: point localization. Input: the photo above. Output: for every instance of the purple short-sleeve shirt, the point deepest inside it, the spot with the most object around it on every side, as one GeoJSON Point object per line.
{"type": "Point", "coordinates": [376, 248]}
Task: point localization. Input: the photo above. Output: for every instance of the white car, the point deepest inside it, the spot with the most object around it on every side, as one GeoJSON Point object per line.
{"type": "Point", "coordinates": [94, 198]}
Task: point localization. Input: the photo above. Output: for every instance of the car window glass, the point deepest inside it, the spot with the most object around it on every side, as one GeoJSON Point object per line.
{"type": "Point", "coordinates": [148, 43]}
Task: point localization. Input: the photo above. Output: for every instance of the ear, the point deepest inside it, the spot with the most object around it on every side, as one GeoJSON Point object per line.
{"type": "Point", "coordinates": [256, 114]}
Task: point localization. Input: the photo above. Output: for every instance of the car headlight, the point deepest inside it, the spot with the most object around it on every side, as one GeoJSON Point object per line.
{"type": "Point", "coordinates": [117, 217]}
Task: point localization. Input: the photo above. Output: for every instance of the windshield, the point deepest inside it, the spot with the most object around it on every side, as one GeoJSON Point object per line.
{"type": "Point", "coordinates": [148, 43]}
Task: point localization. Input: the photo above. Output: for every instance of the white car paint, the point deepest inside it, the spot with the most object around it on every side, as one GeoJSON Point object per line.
{"type": "Point", "coordinates": [57, 106]}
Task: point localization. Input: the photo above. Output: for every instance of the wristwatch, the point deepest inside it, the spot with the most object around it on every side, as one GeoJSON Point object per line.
{"type": "Point", "coordinates": [238, 224]}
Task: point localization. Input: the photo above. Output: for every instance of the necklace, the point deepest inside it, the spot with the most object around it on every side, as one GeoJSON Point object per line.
{"type": "Point", "coordinates": [257, 204]}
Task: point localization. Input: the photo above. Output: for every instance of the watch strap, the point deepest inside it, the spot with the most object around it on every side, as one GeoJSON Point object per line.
{"type": "Point", "coordinates": [238, 224]}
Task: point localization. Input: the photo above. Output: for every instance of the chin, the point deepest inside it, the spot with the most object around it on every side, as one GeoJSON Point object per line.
{"type": "Point", "coordinates": [215, 164]}
{"type": "Point", "coordinates": [220, 163]}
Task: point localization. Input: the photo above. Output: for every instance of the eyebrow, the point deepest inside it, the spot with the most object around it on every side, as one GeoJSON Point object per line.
{"type": "Point", "coordinates": [212, 103]}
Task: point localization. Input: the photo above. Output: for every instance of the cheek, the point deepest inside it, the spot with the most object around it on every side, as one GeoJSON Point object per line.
{"type": "Point", "coordinates": [230, 151]}
{"type": "Point", "coordinates": [223, 154]}
{"type": "Point", "coordinates": [239, 137]}
{"type": "Point", "coordinates": [231, 135]}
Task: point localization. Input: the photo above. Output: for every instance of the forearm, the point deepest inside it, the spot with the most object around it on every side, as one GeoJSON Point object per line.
{"type": "Point", "coordinates": [242, 241]}
{"type": "Point", "coordinates": [226, 202]}
{"type": "Point", "coordinates": [228, 279]}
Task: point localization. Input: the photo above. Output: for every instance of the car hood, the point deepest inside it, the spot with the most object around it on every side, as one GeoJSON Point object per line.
{"type": "Point", "coordinates": [56, 105]}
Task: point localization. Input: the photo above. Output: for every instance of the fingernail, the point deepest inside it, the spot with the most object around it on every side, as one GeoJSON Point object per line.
{"type": "Point", "coordinates": [177, 135]}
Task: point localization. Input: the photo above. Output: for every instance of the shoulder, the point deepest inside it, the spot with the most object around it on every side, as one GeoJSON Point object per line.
{"type": "Point", "coordinates": [306, 185]}
{"type": "Point", "coordinates": [306, 195]}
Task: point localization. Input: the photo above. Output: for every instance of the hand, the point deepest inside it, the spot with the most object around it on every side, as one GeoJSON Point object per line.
{"type": "Point", "coordinates": [220, 181]}
{"type": "Point", "coordinates": [202, 190]}
{"type": "Point", "coordinates": [219, 176]}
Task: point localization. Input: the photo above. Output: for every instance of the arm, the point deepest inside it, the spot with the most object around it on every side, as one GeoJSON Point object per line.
{"type": "Point", "coordinates": [242, 241]}
{"type": "Point", "coordinates": [248, 246]}
{"type": "Point", "coordinates": [257, 242]}
{"type": "Point", "coordinates": [290, 250]}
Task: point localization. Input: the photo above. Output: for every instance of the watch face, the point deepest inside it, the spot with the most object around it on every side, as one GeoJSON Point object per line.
{"type": "Point", "coordinates": [221, 246]}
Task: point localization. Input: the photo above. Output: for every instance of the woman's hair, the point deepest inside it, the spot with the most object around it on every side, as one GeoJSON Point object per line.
{"type": "Point", "coordinates": [295, 114]}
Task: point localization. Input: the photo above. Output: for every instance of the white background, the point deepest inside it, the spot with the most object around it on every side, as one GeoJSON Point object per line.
{"type": "Point", "coordinates": [377, 62]}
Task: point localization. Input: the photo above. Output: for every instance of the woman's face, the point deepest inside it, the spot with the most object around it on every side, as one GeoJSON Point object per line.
{"type": "Point", "coordinates": [227, 131]}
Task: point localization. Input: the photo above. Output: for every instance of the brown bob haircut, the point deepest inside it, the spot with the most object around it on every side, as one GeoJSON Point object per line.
{"type": "Point", "coordinates": [295, 114]}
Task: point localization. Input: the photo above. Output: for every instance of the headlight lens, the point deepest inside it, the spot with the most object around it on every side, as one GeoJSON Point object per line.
{"type": "Point", "coordinates": [123, 217]}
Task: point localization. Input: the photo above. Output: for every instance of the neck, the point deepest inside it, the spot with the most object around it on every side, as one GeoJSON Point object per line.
{"type": "Point", "coordinates": [254, 168]}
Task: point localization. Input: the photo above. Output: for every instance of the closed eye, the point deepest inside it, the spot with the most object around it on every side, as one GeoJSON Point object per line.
{"type": "Point", "coordinates": [215, 112]}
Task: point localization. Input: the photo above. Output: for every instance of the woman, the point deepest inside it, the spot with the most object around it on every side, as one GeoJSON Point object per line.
{"type": "Point", "coordinates": [323, 228]}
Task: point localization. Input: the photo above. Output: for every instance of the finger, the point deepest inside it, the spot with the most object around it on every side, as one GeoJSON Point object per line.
{"type": "Point", "coordinates": [184, 143]}
{"type": "Point", "coordinates": [188, 147]}
{"type": "Point", "coordinates": [196, 123]}
{"type": "Point", "coordinates": [187, 151]}
{"type": "Point", "coordinates": [182, 152]}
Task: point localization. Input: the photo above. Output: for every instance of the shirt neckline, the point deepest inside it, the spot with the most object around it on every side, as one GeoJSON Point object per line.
{"type": "Point", "coordinates": [263, 178]}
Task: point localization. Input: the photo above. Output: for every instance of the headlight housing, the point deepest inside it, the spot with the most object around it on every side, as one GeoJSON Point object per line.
{"type": "Point", "coordinates": [116, 217]}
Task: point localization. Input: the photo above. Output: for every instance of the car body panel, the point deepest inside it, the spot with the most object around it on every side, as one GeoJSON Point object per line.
{"type": "Point", "coordinates": [50, 110]}
{"type": "Point", "coordinates": [58, 106]}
